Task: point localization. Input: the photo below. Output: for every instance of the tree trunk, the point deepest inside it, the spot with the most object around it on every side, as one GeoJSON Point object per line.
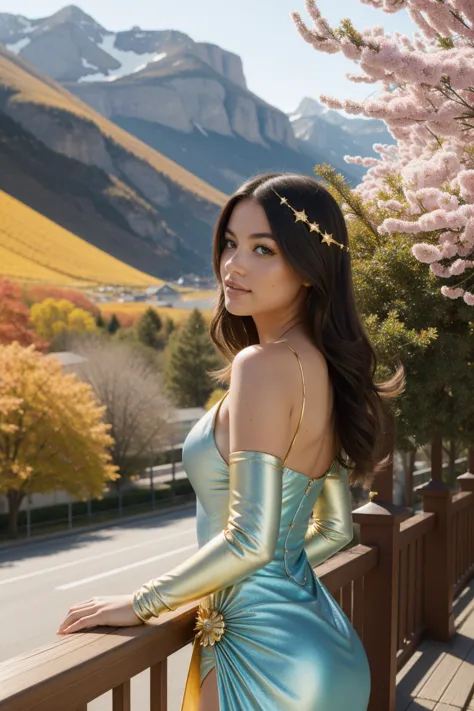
{"type": "Point", "coordinates": [452, 463]}
{"type": "Point", "coordinates": [14, 502]}
{"type": "Point", "coordinates": [409, 466]}
{"type": "Point", "coordinates": [436, 457]}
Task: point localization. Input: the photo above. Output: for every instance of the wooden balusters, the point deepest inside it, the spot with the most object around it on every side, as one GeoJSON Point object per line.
{"type": "Point", "coordinates": [159, 686]}
{"type": "Point", "coordinates": [121, 697]}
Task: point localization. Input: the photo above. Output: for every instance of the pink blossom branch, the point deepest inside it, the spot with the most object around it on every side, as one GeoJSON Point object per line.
{"type": "Point", "coordinates": [427, 103]}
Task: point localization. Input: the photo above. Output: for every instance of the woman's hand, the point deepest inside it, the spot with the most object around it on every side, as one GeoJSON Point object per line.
{"type": "Point", "coordinates": [113, 610]}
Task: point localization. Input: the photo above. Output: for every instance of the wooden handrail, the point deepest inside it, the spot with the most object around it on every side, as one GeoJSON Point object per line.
{"type": "Point", "coordinates": [462, 500]}
{"type": "Point", "coordinates": [463, 527]}
{"type": "Point", "coordinates": [396, 562]}
{"type": "Point", "coordinates": [83, 666]}
{"type": "Point", "coordinates": [416, 527]}
{"type": "Point", "coordinates": [347, 566]}
{"type": "Point", "coordinates": [86, 665]}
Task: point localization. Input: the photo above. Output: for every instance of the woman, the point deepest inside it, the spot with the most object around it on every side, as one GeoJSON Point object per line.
{"type": "Point", "coordinates": [300, 422]}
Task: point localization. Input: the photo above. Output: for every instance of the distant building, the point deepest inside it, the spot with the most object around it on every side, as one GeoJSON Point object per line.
{"type": "Point", "coordinates": [186, 281]}
{"type": "Point", "coordinates": [71, 362]}
{"type": "Point", "coordinates": [184, 418]}
{"type": "Point", "coordinates": [165, 292]}
{"type": "Point", "coordinates": [197, 282]}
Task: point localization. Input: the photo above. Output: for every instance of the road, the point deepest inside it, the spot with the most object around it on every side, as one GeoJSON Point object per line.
{"type": "Point", "coordinates": [40, 580]}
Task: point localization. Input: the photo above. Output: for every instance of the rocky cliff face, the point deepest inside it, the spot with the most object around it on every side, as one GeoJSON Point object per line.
{"type": "Point", "coordinates": [162, 77]}
{"type": "Point", "coordinates": [188, 96]}
{"type": "Point", "coordinates": [86, 143]}
{"type": "Point", "coordinates": [187, 100]}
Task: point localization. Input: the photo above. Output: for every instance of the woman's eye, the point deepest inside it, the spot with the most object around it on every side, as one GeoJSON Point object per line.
{"type": "Point", "coordinates": [267, 250]}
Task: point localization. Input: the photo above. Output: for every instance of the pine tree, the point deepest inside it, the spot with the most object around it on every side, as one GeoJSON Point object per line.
{"type": "Point", "coordinates": [113, 325]}
{"type": "Point", "coordinates": [189, 354]}
{"type": "Point", "coordinates": [149, 327]}
{"type": "Point", "coordinates": [169, 326]}
{"type": "Point", "coordinates": [99, 321]}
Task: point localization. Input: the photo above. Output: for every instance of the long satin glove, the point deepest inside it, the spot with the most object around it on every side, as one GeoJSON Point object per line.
{"type": "Point", "coordinates": [331, 528]}
{"type": "Point", "coordinates": [245, 545]}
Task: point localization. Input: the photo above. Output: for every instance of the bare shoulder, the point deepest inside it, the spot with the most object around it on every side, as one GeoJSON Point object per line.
{"type": "Point", "coordinates": [260, 399]}
{"type": "Point", "coordinates": [254, 361]}
{"type": "Point", "coordinates": [258, 364]}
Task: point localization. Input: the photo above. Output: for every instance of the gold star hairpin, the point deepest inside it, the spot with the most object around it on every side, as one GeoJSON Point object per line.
{"type": "Point", "coordinates": [301, 216]}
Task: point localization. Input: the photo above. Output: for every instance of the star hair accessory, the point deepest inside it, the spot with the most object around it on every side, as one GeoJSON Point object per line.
{"type": "Point", "coordinates": [301, 216]}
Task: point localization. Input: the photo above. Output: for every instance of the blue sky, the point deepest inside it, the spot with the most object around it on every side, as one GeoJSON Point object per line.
{"type": "Point", "coordinates": [279, 66]}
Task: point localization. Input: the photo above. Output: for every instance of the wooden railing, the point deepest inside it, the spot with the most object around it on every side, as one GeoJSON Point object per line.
{"type": "Point", "coordinates": [344, 576]}
{"type": "Point", "coordinates": [463, 539]}
{"type": "Point", "coordinates": [396, 586]}
{"type": "Point", "coordinates": [411, 584]}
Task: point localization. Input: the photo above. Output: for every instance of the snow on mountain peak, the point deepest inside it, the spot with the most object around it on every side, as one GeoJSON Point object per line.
{"type": "Point", "coordinates": [130, 61]}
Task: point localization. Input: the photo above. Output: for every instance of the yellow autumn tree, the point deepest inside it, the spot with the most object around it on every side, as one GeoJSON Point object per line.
{"type": "Point", "coordinates": [52, 431]}
{"type": "Point", "coordinates": [52, 317]}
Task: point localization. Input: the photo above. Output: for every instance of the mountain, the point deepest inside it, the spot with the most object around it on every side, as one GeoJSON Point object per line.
{"type": "Point", "coordinates": [71, 46]}
{"type": "Point", "coordinates": [321, 129]}
{"type": "Point", "coordinates": [188, 100]}
{"type": "Point", "coordinates": [63, 159]}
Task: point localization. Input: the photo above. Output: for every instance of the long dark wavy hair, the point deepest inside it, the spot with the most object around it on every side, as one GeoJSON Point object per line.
{"type": "Point", "coordinates": [329, 314]}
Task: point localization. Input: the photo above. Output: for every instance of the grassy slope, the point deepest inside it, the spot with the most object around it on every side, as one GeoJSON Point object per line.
{"type": "Point", "coordinates": [35, 249]}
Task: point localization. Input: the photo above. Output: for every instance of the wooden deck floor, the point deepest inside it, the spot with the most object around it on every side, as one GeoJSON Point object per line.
{"type": "Point", "coordinates": [441, 676]}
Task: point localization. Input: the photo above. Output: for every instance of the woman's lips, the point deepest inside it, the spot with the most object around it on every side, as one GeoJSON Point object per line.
{"type": "Point", "coordinates": [235, 292]}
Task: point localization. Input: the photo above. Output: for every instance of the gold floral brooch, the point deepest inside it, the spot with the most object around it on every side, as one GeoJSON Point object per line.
{"type": "Point", "coordinates": [210, 625]}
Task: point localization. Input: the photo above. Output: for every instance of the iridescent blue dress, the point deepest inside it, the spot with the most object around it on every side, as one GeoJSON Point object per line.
{"type": "Point", "coordinates": [287, 645]}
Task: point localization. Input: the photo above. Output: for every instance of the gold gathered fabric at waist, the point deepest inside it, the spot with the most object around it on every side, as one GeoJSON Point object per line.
{"type": "Point", "coordinates": [210, 627]}
{"type": "Point", "coordinates": [192, 689]}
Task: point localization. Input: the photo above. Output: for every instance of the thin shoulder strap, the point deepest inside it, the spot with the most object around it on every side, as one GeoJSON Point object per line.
{"type": "Point", "coordinates": [303, 403]}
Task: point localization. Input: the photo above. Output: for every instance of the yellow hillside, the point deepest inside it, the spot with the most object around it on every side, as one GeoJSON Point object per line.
{"type": "Point", "coordinates": [30, 85]}
{"type": "Point", "coordinates": [35, 249]}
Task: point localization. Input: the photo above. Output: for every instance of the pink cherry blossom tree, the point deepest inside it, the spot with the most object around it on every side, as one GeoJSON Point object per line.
{"type": "Point", "coordinates": [424, 184]}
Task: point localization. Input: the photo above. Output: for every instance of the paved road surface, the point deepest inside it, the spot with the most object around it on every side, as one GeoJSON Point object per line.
{"type": "Point", "coordinates": [39, 581]}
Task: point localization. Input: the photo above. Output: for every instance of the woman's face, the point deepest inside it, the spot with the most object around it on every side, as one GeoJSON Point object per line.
{"type": "Point", "coordinates": [251, 258]}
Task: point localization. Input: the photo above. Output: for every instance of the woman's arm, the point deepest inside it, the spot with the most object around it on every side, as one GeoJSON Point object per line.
{"type": "Point", "coordinates": [331, 528]}
{"type": "Point", "coordinates": [258, 432]}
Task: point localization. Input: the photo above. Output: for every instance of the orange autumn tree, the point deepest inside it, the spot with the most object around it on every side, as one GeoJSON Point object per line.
{"type": "Point", "coordinates": [15, 322]}
{"type": "Point", "coordinates": [52, 432]}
